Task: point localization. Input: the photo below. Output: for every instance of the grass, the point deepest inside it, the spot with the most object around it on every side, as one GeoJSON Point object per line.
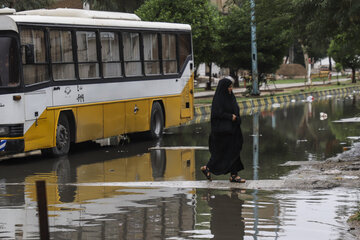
{"type": "Point", "coordinates": [289, 91]}
{"type": "Point", "coordinates": [303, 80]}
{"type": "Point", "coordinates": [355, 217]}
{"type": "Point", "coordinates": [279, 81]}
{"type": "Point", "coordinates": [201, 89]}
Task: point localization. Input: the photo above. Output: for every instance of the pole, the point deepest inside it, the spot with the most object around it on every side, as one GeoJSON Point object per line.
{"type": "Point", "coordinates": [255, 90]}
{"type": "Point", "coordinates": [42, 209]}
{"type": "Point", "coordinates": [256, 145]}
{"type": "Point", "coordinates": [256, 171]}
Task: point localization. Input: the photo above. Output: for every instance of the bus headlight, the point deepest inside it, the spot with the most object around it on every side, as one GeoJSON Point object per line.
{"type": "Point", "coordinates": [4, 130]}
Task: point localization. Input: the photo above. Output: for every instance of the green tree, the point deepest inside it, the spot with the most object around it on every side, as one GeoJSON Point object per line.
{"type": "Point", "coordinates": [115, 5]}
{"type": "Point", "coordinates": [316, 22]}
{"type": "Point", "coordinates": [345, 49]}
{"type": "Point", "coordinates": [338, 68]}
{"type": "Point", "coordinates": [272, 36]}
{"type": "Point", "coordinates": [21, 5]}
{"type": "Point", "coordinates": [203, 17]}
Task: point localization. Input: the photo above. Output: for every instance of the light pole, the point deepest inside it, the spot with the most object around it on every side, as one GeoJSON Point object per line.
{"type": "Point", "coordinates": [255, 90]}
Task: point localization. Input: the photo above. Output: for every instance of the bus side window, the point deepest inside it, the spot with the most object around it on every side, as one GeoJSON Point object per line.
{"type": "Point", "coordinates": [184, 48]}
{"type": "Point", "coordinates": [110, 54]}
{"type": "Point", "coordinates": [29, 53]}
{"type": "Point", "coordinates": [34, 59]}
{"type": "Point", "coordinates": [151, 53]}
{"type": "Point", "coordinates": [63, 67]}
{"type": "Point", "coordinates": [87, 54]}
{"type": "Point", "coordinates": [169, 53]}
{"type": "Point", "coordinates": [131, 44]}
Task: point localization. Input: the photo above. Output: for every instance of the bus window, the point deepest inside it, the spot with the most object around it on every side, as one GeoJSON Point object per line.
{"type": "Point", "coordinates": [63, 67]}
{"type": "Point", "coordinates": [132, 61]}
{"type": "Point", "coordinates": [169, 53]}
{"type": "Point", "coordinates": [110, 53]}
{"type": "Point", "coordinates": [35, 63]}
{"type": "Point", "coordinates": [151, 54]}
{"type": "Point", "coordinates": [184, 48]}
{"type": "Point", "coordinates": [9, 71]}
{"type": "Point", "coordinates": [87, 54]}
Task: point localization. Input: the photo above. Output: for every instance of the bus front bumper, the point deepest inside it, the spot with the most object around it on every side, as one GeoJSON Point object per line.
{"type": "Point", "coordinates": [11, 146]}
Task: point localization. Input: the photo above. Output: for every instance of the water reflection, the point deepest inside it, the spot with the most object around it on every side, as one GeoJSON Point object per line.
{"type": "Point", "coordinates": [227, 221]}
{"type": "Point", "coordinates": [272, 137]}
{"type": "Point", "coordinates": [75, 210]}
{"type": "Point", "coordinates": [93, 212]}
{"type": "Point", "coordinates": [290, 215]}
{"type": "Point", "coordinates": [294, 132]}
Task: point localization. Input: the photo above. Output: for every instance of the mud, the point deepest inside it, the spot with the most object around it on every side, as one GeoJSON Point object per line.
{"type": "Point", "coordinates": [340, 171]}
{"type": "Point", "coordinates": [355, 228]}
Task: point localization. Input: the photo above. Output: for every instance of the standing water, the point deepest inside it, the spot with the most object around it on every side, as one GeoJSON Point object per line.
{"type": "Point", "coordinates": [85, 201]}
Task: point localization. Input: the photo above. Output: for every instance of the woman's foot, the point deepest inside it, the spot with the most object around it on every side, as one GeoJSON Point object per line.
{"type": "Point", "coordinates": [236, 179]}
{"type": "Point", "coordinates": [206, 171]}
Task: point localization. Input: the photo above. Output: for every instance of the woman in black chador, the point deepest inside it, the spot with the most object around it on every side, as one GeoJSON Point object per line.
{"type": "Point", "coordinates": [225, 141]}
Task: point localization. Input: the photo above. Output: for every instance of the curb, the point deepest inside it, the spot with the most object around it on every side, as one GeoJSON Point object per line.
{"type": "Point", "coordinates": [246, 106]}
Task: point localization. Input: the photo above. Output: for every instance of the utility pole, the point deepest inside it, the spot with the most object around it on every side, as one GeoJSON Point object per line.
{"type": "Point", "coordinates": [255, 90]}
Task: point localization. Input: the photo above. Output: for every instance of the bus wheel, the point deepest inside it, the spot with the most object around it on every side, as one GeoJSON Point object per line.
{"type": "Point", "coordinates": [62, 139]}
{"type": "Point", "coordinates": [157, 121]}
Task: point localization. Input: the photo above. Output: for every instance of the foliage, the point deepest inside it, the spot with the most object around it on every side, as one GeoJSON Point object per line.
{"type": "Point", "coordinates": [115, 5]}
{"type": "Point", "coordinates": [338, 67]}
{"type": "Point", "coordinates": [200, 14]}
{"type": "Point", "coordinates": [356, 217]}
{"type": "Point", "coordinates": [21, 5]}
{"type": "Point", "coordinates": [316, 22]}
{"type": "Point", "coordinates": [345, 49]}
{"type": "Point", "coordinates": [272, 36]}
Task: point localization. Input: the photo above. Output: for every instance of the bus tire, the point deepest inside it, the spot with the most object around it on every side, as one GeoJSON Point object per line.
{"type": "Point", "coordinates": [157, 121]}
{"type": "Point", "coordinates": [63, 139]}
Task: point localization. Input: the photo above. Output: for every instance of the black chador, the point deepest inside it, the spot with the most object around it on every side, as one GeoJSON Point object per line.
{"type": "Point", "coordinates": [226, 140]}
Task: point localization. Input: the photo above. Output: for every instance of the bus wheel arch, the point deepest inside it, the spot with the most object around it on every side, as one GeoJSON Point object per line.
{"type": "Point", "coordinates": [72, 124]}
{"type": "Point", "coordinates": [157, 120]}
{"type": "Point", "coordinates": [64, 135]}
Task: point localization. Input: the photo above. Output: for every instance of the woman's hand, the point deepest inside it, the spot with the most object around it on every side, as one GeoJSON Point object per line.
{"type": "Point", "coordinates": [233, 117]}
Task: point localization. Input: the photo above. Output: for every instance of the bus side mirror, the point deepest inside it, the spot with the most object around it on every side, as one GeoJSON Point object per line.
{"type": "Point", "coordinates": [28, 51]}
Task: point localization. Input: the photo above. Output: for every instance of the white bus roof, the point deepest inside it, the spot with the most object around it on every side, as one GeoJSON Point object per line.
{"type": "Point", "coordinates": [85, 18]}
{"type": "Point", "coordinates": [81, 13]}
{"type": "Point", "coordinates": [7, 11]}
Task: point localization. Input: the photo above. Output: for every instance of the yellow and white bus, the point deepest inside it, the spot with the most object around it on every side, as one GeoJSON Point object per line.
{"type": "Point", "coordinates": [69, 76]}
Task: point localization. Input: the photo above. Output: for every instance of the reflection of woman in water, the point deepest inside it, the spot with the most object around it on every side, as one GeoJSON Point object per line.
{"type": "Point", "coordinates": [225, 141]}
{"type": "Point", "coordinates": [226, 217]}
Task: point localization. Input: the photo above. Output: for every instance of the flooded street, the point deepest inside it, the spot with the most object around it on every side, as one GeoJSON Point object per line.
{"type": "Point", "coordinates": [84, 201]}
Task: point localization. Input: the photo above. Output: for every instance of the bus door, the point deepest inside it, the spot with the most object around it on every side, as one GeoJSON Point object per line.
{"type": "Point", "coordinates": [11, 98]}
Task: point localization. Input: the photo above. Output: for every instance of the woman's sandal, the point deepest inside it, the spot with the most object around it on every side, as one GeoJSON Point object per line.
{"type": "Point", "coordinates": [205, 170]}
{"type": "Point", "coordinates": [237, 179]}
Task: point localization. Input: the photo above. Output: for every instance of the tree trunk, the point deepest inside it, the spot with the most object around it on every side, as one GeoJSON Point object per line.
{"type": "Point", "coordinates": [330, 64]}
{"type": "Point", "coordinates": [286, 60]}
{"type": "Point", "coordinates": [208, 84]}
{"type": "Point", "coordinates": [353, 77]}
{"type": "Point", "coordinates": [306, 61]}
{"type": "Point", "coordinates": [234, 76]}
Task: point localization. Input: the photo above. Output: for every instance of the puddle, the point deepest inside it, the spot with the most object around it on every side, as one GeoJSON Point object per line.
{"type": "Point", "coordinates": [83, 206]}
{"type": "Point", "coordinates": [177, 213]}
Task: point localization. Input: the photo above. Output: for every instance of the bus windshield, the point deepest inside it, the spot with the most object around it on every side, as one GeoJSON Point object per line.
{"type": "Point", "coordinates": [9, 62]}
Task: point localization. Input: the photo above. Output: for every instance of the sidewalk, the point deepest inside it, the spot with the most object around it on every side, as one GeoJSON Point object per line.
{"type": "Point", "coordinates": [270, 87]}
